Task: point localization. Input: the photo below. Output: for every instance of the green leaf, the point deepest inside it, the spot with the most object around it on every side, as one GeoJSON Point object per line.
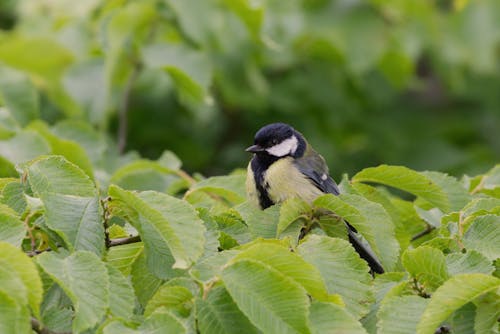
{"type": "Point", "coordinates": [231, 226]}
{"type": "Point", "coordinates": [121, 294]}
{"type": "Point", "coordinates": [69, 149]}
{"type": "Point", "coordinates": [343, 271]}
{"type": "Point", "coordinates": [116, 327]}
{"type": "Point", "coordinates": [12, 229]}
{"type": "Point", "coordinates": [229, 187]}
{"type": "Point", "coordinates": [218, 314]}
{"type": "Point", "coordinates": [398, 67]}
{"type": "Point", "coordinates": [13, 196]}
{"type": "Point", "coordinates": [14, 318]}
{"type": "Point", "coordinates": [370, 219]}
{"type": "Point", "coordinates": [54, 174]}
{"type": "Point", "coordinates": [462, 320]}
{"type": "Point", "coordinates": [291, 210]}
{"type": "Point", "coordinates": [480, 205]}
{"type": "Point", "coordinates": [85, 83]}
{"type": "Point", "coordinates": [453, 294]}
{"type": "Point", "coordinates": [71, 202]}
{"type": "Point", "coordinates": [145, 283]}
{"type": "Point", "coordinates": [389, 284]}
{"type": "Point", "coordinates": [250, 12]}
{"type": "Point", "coordinates": [190, 70]}
{"type": "Point", "coordinates": [174, 298]}
{"type": "Point", "coordinates": [400, 315]}
{"type": "Point", "coordinates": [122, 257]}
{"type": "Point", "coordinates": [144, 175]}
{"type": "Point", "coordinates": [398, 213]}
{"type": "Point", "coordinates": [163, 321]}
{"type": "Point", "coordinates": [261, 223]}
{"type": "Point", "coordinates": [272, 301]}
{"type": "Point", "coordinates": [24, 146]}
{"type": "Point", "coordinates": [127, 29]}
{"type": "Point", "coordinates": [12, 285]}
{"type": "Point", "coordinates": [84, 278]}
{"type": "Point", "coordinates": [457, 194]}
{"type": "Point", "coordinates": [427, 265]}
{"type": "Point", "coordinates": [35, 54]}
{"type": "Point", "coordinates": [8, 125]}
{"type": "Point", "coordinates": [331, 318]}
{"type": "Point", "coordinates": [169, 160]}
{"type": "Point", "coordinates": [408, 180]}
{"type": "Point", "coordinates": [25, 269]}
{"type": "Point", "coordinates": [93, 142]}
{"type": "Point", "coordinates": [212, 266]}
{"type": "Point", "coordinates": [487, 313]}
{"type": "Point", "coordinates": [484, 236]}
{"type": "Point", "coordinates": [278, 258]}
{"type": "Point", "coordinates": [470, 262]}
{"type": "Point", "coordinates": [19, 95]}
{"type": "Point", "coordinates": [168, 226]}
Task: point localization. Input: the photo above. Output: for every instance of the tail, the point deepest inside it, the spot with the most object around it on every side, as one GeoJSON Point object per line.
{"type": "Point", "coordinates": [364, 250]}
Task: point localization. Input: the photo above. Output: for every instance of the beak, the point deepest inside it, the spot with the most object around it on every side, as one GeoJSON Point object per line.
{"type": "Point", "coordinates": [255, 149]}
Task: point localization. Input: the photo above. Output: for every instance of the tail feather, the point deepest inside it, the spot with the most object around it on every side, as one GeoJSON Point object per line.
{"type": "Point", "coordinates": [364, 251]}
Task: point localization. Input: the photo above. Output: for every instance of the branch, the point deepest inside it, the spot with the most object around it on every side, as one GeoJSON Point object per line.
{"type": "Point", "coordinates": [124, 241]}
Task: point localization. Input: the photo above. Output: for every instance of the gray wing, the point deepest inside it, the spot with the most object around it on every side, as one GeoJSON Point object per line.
{"type": "Point", "coordinates": [314, 167]}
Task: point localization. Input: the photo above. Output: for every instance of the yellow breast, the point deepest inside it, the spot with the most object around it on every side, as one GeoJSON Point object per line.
{"type": "Point", "coordinates": [286, 181]}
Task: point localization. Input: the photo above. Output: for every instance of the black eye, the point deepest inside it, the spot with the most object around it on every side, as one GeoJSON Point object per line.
{"type": "Point", "coordinates": [274, 141]}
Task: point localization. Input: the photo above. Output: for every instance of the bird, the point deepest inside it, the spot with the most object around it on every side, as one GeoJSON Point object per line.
{"type": "Point", "coordinates": [284, 165]}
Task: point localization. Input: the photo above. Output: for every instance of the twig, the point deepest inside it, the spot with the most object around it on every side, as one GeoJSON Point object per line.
{"type": "Point", "coordinates": [38, 328]}
{"type": "Point", "coordinates": [112, 243]}
{"type": "Point", "coordinates": [124, 241]}
{"type": "Point", "coordinates": [37, 252]}
{"type": "Point", "coordinates": [105, 218]}
{"type": "Point", "coordinates": [123, 110]}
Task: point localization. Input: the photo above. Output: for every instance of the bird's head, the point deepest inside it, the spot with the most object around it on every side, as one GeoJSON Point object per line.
{"type": "Point", "coordinates": [278, 140]}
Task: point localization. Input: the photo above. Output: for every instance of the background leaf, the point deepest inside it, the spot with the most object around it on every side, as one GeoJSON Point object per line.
{"type": "Point", "coordinates": [19, 95]}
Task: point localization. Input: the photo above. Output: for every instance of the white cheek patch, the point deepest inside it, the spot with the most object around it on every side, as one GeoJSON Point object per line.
{"type": "Point", "coordinates": [287, 146]}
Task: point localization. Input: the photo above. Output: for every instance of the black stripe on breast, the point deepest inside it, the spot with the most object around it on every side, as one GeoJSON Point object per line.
{"type": "Point", "coordinates": [259, 166]}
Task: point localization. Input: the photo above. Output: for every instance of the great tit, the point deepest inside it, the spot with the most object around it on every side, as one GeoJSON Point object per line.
{"type": "Point", "coordinates": [284, 165]}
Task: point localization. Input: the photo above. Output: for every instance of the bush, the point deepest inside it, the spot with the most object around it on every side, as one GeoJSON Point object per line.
{"type": "Point", "coordinates": [96, 242]}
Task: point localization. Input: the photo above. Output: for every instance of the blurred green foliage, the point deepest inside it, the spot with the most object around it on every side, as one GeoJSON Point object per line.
{"type": "Point", "coordinates": [410, 82]}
